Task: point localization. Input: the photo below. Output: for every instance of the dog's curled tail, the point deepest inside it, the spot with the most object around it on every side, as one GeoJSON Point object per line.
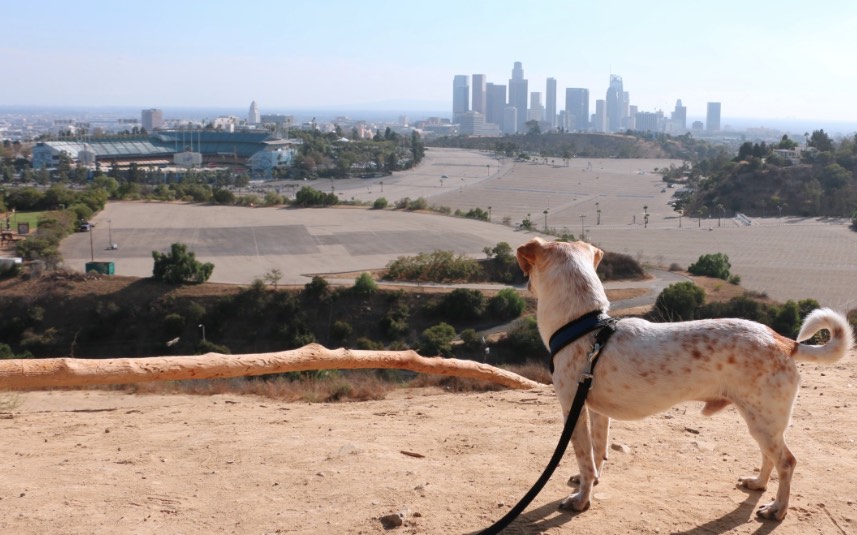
{"type": "Point", "coordinates": [841, 337]}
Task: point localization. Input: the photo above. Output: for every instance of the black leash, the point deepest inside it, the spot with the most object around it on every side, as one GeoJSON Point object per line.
{"type": "Point", "coordinates": [607, 328]}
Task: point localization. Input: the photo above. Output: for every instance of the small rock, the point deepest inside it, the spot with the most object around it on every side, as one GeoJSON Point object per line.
{"type": "Point", "coordinates": [624, 448]}
{"type": "Point", "coordinates": [692, 430]}
{"type": "Point", "coordinates": [703, 446]}
{"type": "Point", "coordinates": [391, 521]}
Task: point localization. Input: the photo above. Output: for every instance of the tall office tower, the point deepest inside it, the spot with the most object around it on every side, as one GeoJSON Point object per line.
{"type": "Point", "coordinates": [615, 103]}
{"type": "Point", "coordinates": [577, 107]}
{"type": "Point", "coordinates": [152, 119]}
{"type": "Point", "coordinates": [518, 94]}
{"type": "Point", "coordinates": [478, 102]}
{"type": "Point", "coordinates": [599, 118]}
{"type": "Point", "coordinates": [254, 117]}
{"type": "Point", "coordinates": [550, 103]}
{"type": "Point", "coordinates": [679, 117]}
{"type": "Point", "coordinates": [537, 111]}
{"type": "Point", "coordinates": [495, 101]}
{"type": "Point", "coordinates": [460, 95]}
{"type": "Point", "coordinates": [712, 117]}
{"type": "Point", "coordinates": [510, 120]}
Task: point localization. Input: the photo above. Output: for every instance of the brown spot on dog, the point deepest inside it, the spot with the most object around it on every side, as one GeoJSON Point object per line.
{"type": "Point", "coordinates": [786, 345]}
{"type": "Point", "coordinates": [696, 354]}
{"type": "Point", "coordinates": [731, 359]}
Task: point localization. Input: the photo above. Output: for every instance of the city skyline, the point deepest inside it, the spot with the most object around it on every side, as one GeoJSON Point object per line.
{"type": "Point", "coordinates": [758, 61]}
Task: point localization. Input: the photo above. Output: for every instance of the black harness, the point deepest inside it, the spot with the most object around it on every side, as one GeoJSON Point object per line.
{"type": "Point", "coordinates": [564, 336]}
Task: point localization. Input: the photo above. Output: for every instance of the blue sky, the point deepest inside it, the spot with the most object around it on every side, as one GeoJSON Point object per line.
{"type": "Point", "coordinates": [778, 60]}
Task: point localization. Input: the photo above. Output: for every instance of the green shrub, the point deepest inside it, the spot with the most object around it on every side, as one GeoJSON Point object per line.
{"type": "Point", "coordinates": [395, 323]}
{"type": "Point", "coordinates": [174, 325]}
{"type": "Point", "coordinates": [787, 319]}
{"type": "Point", "coordinates": [340, 332]}
{"type": "Point", "coordinates": [380, 203]}
{"type": "Point", "coordinates": [711, 265]}
{"type": "Point", "coordinates": [180, 266]}
{"type": "Point", "coordinates": [437, 266]}
{"type": "Point", "coordinates": [525, 339]}
{"type": "Point", "coordinates": [617, 266]}
{"type": "Point", "coordinates": [461, 304]}
{"type": "Point", "coordinates": [679, 302]}
{"type": "Point", "coordinates": [471, 339]}
{"type": "Point", "coordinates": [506, 304]}
{"type": "Point", "coordinates": [365, 284]}
{"type": "Point", "coordinates": [317, 289]}
{"type": "Point", "coordinates": [436, 340]}
{"type": "Point", "coordinates": [223, 196]}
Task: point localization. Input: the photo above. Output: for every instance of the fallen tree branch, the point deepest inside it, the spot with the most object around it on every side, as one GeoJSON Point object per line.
{"type": "Point", "coordinates": [22, 374]}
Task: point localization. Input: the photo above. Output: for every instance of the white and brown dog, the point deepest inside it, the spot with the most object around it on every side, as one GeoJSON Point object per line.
{"type": "Point", "coordinates": [648, 367]}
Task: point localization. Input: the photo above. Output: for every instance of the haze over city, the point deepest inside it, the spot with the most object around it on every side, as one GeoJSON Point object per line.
{"type": "Point", "coordinates": [776, 63]}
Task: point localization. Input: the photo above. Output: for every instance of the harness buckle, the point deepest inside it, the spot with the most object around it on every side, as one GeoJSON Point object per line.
{"type": "Point", "coordinates": [590, 358]}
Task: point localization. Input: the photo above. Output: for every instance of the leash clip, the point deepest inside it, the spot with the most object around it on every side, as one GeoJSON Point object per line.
{"type": "Point", "coordinates": [590, 358]}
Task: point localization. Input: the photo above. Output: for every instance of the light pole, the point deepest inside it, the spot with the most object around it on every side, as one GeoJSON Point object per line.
{"type": "Point", "coordinates": [489, 213]}
{"type": "Point", "coordinates": [597, 214]}
{"type": "Point", "coordinates": [201, 326]}
{"type": "Point", "coordinates": [91, 246]}
{"type": "Point", "coordinates": [546, 220]}
{"type": "Point", "coordinates": [582, 228]}
{"type": "Point", "coordinates": [109, 234]}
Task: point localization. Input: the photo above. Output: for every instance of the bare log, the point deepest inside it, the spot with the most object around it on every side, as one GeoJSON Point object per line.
{"type": "Point", "coordinates": [22, 374]}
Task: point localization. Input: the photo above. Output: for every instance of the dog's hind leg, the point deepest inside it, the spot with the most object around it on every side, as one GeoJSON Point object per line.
{"type": "Point", "coordinates": [582, 444]}
{"type": "Point", "coordinates": [768, 427]}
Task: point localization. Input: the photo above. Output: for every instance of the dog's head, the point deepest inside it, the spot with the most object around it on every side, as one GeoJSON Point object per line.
{"type": "Point", "coordinates": [564, 269]}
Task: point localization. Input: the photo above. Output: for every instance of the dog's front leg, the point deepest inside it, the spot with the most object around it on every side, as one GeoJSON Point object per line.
{"type": "Point", "coordinates": [581, 441]}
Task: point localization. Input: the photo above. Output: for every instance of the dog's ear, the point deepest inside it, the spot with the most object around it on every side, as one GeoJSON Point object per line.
{"type": "Point", "coordinates": [527, 254]}
{"type": "Point", "coordinates": [598, 255]}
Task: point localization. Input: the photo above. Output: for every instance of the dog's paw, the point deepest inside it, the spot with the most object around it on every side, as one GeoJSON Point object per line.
{"type": "Point", "coordinates": [772, 511]}
{"type": "Point", "coordinates": [752, 483]}
{"type": "Point", "coordinates": [574, 481]}
{"type": "Point", "coordinates": [575, 502]}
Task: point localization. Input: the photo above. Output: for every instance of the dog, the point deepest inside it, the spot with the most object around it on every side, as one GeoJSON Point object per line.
{"type": "Point", "coordinates": [646, 368]}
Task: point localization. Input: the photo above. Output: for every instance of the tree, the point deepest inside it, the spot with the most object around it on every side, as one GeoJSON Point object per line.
{"type": "Point", "coordinates": [507, 304]}
{"type": "Point", "coordinates": [821, 141]}
{"type": "Point", "coordinates": [462, 304]}
{"type": "Point", "coordinates": [273, 277]}
{"type": "Point", "coordinates": [711, 265]}
{"type": "Point", "coordinates": [436, 340]}
{"type": "Point", "coordinates": [180, 266]}
{"type": "Point", "coordinates": [533, 128]}
{"type": "Point", "coordinates": [679, 302]}
{"type": "Point", "coordinates": [365, 284]}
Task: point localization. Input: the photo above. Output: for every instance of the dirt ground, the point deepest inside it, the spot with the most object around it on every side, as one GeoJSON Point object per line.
{"type": "Point", "coordinates": [82, 462]}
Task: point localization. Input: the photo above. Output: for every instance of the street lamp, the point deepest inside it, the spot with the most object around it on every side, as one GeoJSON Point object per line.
{"type": "Point", "coordinates": [201, 326]}
{"type": "Point", "coordinates": [582, 228]}
{"type": "Point", "coordinates": [597, 214]}
{"type": "Point", "coordinates": [546, 220]}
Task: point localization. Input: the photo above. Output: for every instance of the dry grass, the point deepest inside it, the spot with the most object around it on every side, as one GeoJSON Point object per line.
{"type": "Point", "coordinates": [326, 387]}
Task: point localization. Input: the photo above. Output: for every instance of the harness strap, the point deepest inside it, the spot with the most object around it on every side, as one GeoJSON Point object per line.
{"type": "Point", "coordinates": [575, 329]}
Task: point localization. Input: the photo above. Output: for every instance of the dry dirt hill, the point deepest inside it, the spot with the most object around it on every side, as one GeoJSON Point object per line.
{"type": "Point", "coordinates": [83, 462]}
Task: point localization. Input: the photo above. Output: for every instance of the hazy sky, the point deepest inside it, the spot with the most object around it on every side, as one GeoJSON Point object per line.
{"type": "Point", "coordinates": [784, 59]}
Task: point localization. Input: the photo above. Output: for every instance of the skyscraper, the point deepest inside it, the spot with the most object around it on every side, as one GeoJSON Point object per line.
{"type": "Point", "coordinates": [537, 111]}
{"type": "Point", "coordinates": [495, 100]}
{"type": "Point", "coordinates": [518, 94]}
{"type": "Point", "coordinates": [712, 117]}
{"type": "Point", "coordinates": [599, 119]}
{"type": "Point", "coordinates": [550, 103]}
{"type": "Point", "coordinates": [152, 119]}
{"type": "Point", "coordinates": [615, 103]}
{"type": "Point", "coordinates": [577, 106]}
{"type": "Point", "coordinates": [679, 117]}
{"type": "Point", "coordinates": [254, 117]}
{"type": "Point", "coordinates": [460, 95]}
{"type": "Point", "coordinates": [478, 102]}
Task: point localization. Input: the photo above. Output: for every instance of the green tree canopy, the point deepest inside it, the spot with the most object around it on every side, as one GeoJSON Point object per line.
{"type": "Point", "coordinates": [180, 266]}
